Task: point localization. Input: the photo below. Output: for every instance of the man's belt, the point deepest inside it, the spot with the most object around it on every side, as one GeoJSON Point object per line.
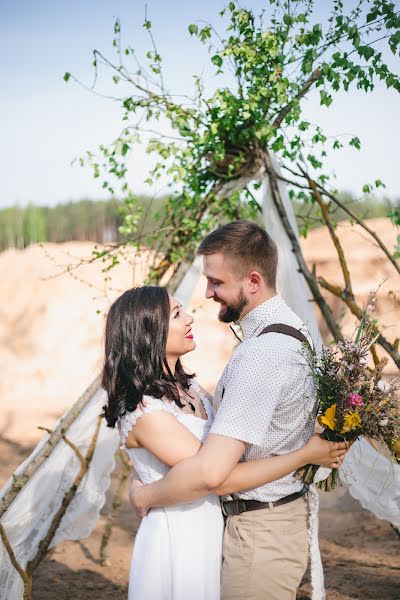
{"type": "Point", "coordinates": [236, 507]}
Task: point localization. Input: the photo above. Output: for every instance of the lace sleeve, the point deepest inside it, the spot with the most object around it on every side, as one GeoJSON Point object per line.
{"type": "Point", "coordinates": [148, 405]}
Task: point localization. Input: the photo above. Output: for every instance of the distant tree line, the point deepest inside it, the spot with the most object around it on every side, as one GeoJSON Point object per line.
{"type": "Point", "coordinates": [84, 220]}
{"type": "Point", "coordinates": [100, 221]}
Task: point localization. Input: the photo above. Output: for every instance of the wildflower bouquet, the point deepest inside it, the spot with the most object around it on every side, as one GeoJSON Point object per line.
{"type": "Point", "coordinates": [353, 400]}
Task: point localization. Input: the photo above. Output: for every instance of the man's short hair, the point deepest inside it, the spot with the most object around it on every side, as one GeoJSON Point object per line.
{"type": "Point", "coordinates": [247, 246]}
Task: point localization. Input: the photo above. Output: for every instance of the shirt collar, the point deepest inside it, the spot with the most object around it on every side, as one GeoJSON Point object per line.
{"type": "Point", "coordinates": [263, 314]}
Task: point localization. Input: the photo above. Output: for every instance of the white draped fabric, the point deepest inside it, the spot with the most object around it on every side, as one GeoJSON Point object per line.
{"type": "Point", "coordinates": [373, 480]}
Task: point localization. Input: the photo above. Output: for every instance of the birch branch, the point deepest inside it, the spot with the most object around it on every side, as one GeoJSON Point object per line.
{"type": "Point", "coordinates": [336, 242]}
{"type": "Point", "coordinates": [338, 203]}
{"type": "Point", "coordinates": [360, 222]}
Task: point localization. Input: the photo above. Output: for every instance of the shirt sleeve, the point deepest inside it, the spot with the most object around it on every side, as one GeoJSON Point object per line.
{"type": "Point", "coordinates": [252, 390]}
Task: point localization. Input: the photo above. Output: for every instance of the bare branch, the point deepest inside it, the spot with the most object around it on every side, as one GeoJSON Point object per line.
{"type": "Point", "coordinates": [359, 313]}
{"type": "Point", "coordinates": [26, 578]}
{"type": "Point", "coordinates": [315, 75]}
{"type": "Point", "coordinates": [363, 225]}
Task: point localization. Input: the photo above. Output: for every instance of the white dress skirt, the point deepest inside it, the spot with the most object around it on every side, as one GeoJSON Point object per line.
{"type": "Point", "coordinates": [177, 551]}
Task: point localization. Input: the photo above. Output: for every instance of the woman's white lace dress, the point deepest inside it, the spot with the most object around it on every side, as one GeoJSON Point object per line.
{"type": "Point", "coordinates": [177, 550]}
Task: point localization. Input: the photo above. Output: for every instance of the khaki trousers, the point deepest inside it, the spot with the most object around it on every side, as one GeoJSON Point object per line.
{"type": "Point", "coordinates": [265, 553]}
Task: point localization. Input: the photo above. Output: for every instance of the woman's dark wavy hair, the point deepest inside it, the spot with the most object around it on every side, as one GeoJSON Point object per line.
{"type": "Point", "coordinates": [135, 352]}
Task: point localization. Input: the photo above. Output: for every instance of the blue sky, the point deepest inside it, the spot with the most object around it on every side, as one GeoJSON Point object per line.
{"type": "Point", "coordinates": [45, 123]}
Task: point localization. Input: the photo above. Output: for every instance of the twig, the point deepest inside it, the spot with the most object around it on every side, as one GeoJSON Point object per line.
{"type": "Point", "coordinates": [70, 444]}
{"type": "Point", "coordinates": [343, 207]}
{"type": "Point", "coordinates": [26, 578]}
{"type": "Point", "coordinates": [363, 225]}
{"type": "Point", "coordinates": [325, 215]}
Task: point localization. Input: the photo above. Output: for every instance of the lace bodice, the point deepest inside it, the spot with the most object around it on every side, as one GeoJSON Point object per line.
{"type": "Point", "coordinates": [147, 466]}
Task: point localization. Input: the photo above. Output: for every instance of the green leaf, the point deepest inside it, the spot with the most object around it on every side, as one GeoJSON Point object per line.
{"type": "Point", "coordinates": [217, 60]}
{"type": "Point", "coordinates": [193, 29]}
{"type": "Point", "coordinates": [317, 164]}
{"type": "Point", "coordinates": [355, 142]}
{"type": "Point", "coordinates": [326, 99]}
{"type": "Point", "coordinates": [379, 184]}
{"type": "Point", "coordinates": [205, 33]}
{"type": "Point", "coordinates": [67, 76]}
{"type": "Point", "coordinates": [394, 216]}
{"type": "Point", "coordinates": [366, 52]}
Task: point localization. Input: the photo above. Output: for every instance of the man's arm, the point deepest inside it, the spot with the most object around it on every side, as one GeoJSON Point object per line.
{"type": "Point", "coordinates": [194, 477]}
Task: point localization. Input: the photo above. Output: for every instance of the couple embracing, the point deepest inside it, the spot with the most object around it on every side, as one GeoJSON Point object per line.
{"type": "Point", "coordinates": [224, 516]}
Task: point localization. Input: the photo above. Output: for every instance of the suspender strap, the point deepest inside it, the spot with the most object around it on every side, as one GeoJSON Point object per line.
{"type": "Point", "coordinates": [286, 330]}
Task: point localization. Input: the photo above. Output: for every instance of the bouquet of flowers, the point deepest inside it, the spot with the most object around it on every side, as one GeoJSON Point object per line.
{"type": "Point", "coordinates": [353, 400]}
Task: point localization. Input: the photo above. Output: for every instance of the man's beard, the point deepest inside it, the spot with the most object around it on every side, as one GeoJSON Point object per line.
{"type": "Point", "coordinates": [233, 311]}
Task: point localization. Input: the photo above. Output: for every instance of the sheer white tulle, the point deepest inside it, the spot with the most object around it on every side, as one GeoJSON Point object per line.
{"type": "Point", "coordinates": [373, 480]}
{"type": "Point", "coordinates": [28, 518]}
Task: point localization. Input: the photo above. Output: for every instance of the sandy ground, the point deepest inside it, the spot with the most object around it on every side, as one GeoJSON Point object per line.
{"type": "Point", "coordinates": [50, 339]}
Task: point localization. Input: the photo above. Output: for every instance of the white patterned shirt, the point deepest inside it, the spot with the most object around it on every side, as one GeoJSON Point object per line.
{"type": "Point", "coordinates": [266, 394]}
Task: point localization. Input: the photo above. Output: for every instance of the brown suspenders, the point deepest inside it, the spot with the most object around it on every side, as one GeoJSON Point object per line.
{"type": "Point", "coordinates": [286, 330]}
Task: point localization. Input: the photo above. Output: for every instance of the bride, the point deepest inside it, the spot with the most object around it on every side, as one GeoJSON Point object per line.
{"type": "Point", "coordinates": [163, 415]}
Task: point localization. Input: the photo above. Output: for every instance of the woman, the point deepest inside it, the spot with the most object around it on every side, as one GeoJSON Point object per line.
{"type": "Point", "coordinates": [163, 415]}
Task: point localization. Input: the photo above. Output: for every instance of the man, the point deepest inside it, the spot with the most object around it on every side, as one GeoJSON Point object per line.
{"type": "Point", "coordinates": [264, 406]}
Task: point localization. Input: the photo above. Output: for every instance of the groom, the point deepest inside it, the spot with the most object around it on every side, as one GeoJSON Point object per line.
{"type": "Point", "coordinates": [264, 405]}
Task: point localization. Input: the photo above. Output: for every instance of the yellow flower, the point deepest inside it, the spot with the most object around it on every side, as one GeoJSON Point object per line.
{"type": "Point", "coordinates": [328, 418]}
{"type": "Point", "coordinates": [351, 421]}
{"type": "Point", "coordinates": [396, 448]}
